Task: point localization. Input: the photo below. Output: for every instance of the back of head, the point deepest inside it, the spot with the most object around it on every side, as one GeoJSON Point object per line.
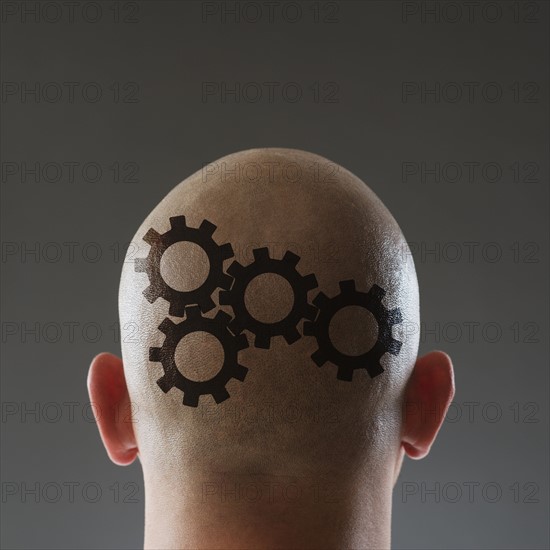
{"type": "Point", "coordinates": [301, 375]}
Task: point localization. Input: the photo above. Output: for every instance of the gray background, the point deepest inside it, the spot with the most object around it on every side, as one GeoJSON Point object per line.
{"type": "Point", "coordinates": [489, 313]}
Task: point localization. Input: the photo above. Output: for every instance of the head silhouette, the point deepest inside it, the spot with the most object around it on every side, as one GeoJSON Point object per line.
{"type": "Point", "coordinates": [269, 365]}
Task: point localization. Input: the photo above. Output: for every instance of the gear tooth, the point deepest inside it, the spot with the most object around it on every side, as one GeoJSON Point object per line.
{"type": "Point", "coordinates": [150, 294]}
{"type": "Point", "coordinates": [193, 312]}
{"type": "Point", "coordinates": [320, 300]}
{"type": "Point", "coordinates": [239, 372]}
{"type": "Point", "coordinates": [164, 384]}
{"type": "Point", "coordinates": [310, 312]}
{"type": "Point", "coordinates": [140, 265]}
{"type": "Point", "coordinates": [177, 309]}
{"type": "Point", "coordinates": [178, 222]}
{"type": "Point", "coordinates": [235, 269]}
{"type": "Point", "coordinates": [345, 374]}
{"type": "Point", "coordinates": [374, 369]}
{"type": "Point", "coordinates": [347, 286]}
{"type": "Point", "coordinates": [262, 341]}
{"type": "Point", "coordinates": [310, 281]}
{"type": "Point", "coordinates": [235, 327]}
{"type": "Point", "coordinates": [395, 317]}
{"type": "Point", "coordinates": [190, 399]}
{"type": "Point", "coordinates": [151, 237]}
{"type": "Point", "coordinates": [220, 395]}
{"type": "Point", "coordinates": [241, 341]}
{"type": "Point", "coordinates": [261, 253]}
{"type": "Point", "coordinates": [166, 326]}
{"type": "Point", "coordinates": [222, 318]}
{"type": "Point", "coordinates": [309, 329]}
{"type": "Point", "coordinates": [207, 228]}
{"type": "Point", "coordinates": [207, 304]}
{"type": "Point", "coordinates": [224, 297]}
{"type": "Point", "coordinates": [226, 251]}
{"type": "Point", "coordinates": [291, 335]}
{"type": "Point", "coordinates": [376, 292]}
{"type": "Point", "coordinates": [319, 358]}
{"type": "Point", "coordinates": [291, 259]}
{"type": "Point", "coordinates": [155, 355]}
{"type": "Point", "coordinates": [394, 346]}
{"type": "Point", "coordinates": [226, 281]}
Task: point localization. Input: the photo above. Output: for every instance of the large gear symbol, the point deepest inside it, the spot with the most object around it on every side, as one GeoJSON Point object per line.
{"type": "Point", "coordinates": [179, 232]}
{"type": "Point", "coordinates": [192, 389]}
{"type": "Point", "coordinates": [286, 268]}
{"type": "Point", "coordinates": [349, 296]}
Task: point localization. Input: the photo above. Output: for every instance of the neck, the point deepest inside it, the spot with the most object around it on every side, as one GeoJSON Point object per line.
{"type": "Point", "coordinates": [259, 514]}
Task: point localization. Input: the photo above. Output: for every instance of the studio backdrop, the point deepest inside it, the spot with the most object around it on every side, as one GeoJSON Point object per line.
{"type": "Point", "coordinates": [441, 107]}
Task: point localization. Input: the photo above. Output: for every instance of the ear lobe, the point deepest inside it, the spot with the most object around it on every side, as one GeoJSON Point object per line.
{"type": "Point", "coordinates": [112, 408]}
{"type": "Point", "coordinates": [428, 395]}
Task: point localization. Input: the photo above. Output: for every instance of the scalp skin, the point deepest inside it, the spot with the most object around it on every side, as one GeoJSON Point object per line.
{"type": "Point", "coordinates": [289, 418]}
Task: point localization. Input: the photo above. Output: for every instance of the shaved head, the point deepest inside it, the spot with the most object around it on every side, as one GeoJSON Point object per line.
{"type": "Point", "coordinates": [270, 291]}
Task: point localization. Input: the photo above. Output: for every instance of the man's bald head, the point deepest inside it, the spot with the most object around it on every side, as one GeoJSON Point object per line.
{"type": "Point", "coordinates": [284, 200]}
{"type": "Point", "coordinates": [317, 342]}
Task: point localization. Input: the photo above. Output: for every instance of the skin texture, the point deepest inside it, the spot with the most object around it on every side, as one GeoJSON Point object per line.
{"type": "Point", "coordinates": [294, 458]}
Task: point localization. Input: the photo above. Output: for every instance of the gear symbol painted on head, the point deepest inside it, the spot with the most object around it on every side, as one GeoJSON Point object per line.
{"type": "Point", "coordinates": [180, 232]}
{"type": "Point", "coordinates": [192, 389]}
{"type": "Point", "coordinates": [385, 318]}
{"type": "Point", "coordinates": [286, 268]}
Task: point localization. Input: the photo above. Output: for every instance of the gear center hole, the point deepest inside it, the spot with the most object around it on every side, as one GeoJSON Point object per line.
{"type": "Point", "coordinates": [199, 356]}
{"type": "Point", "coordinates": [184, 266]}
{"type": "Point", "coordinates": [353, 330]}
{"type": "Point", "coordinates": [269, 298]}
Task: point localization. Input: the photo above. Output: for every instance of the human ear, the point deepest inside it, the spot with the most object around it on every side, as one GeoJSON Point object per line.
{"type": "Point", "coordinates": [112, 408]}
{"type": "Point", "coordinates": [428, 394]}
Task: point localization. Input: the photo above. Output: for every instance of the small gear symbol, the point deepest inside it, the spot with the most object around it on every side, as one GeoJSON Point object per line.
{"type": "Point", "coordinates": [179, 232]}
{"type": "Point", "coordinates": [192, 389]}
{"type": "Point", "coordinates": [286, 268]}
{"type": "Point", "coordinates": [349, 296]}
